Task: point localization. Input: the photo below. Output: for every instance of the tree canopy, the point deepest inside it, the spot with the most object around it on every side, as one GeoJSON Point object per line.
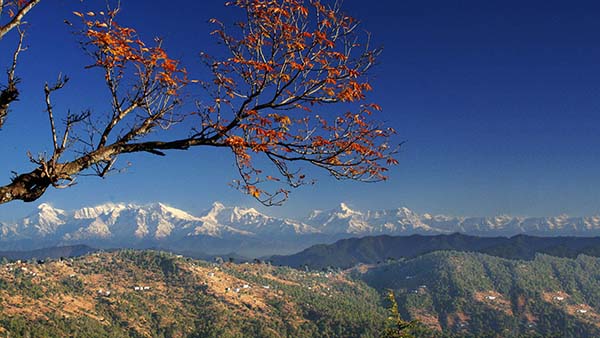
{"type": "Point", "coordinates": [279, 69]}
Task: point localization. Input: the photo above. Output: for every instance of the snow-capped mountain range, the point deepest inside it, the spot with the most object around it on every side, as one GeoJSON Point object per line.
{"type": "Point", "coordinates": [156, 221]}
{"type": "Point", "coordinates": [122, 224]}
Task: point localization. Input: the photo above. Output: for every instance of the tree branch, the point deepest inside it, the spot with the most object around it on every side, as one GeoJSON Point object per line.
{"type": "Point", "coordinates": [11, 93]}
{"type": "Point", "coordinates": [17, 19]}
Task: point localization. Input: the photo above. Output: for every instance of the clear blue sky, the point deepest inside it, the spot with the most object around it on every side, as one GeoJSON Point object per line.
{"type": "Point", "coordinates": [498, 101]}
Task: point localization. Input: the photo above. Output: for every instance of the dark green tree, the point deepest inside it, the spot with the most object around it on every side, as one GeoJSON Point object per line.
{"type": "Point", "coordinates": [396, 326]}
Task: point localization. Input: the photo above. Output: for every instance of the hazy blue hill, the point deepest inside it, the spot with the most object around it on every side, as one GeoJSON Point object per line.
{"type": "Point", "coordinates": [51, 252]}
{"type": "Point", "coordinates": [376, 249]}
{"type": "Point", "coordinates": [472, 294]}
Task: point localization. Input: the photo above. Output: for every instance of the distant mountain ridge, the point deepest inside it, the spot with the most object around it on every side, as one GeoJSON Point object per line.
{"type": "Point", "coordinates": [405, 221]}
{"type": "Point", "coordinates": [346, 253]}
{"type": "Point", "coordinates": [223, 229]}
{"type": "Point", "coordinates": [219, 230]}
{"type": "Point", "coordinates": [155, 220]}
{"type": "Point", "coordinates": [53, 252]}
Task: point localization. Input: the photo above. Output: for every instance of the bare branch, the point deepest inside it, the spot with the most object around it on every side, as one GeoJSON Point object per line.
{"type": "Point", "coordinates": [60, 83]}
{"type": "Point", "coordinates": [11, 93]}
{"type": "Point", "coordinates": [18, 18]}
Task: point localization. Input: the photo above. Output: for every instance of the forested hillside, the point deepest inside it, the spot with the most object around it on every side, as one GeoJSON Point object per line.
{"type": "Point", "coordinates": [470, 294]}
{"type": "Point", "coordinates": [346, 253]}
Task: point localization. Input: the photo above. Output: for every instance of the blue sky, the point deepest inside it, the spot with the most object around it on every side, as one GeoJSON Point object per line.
{"type": "Point", "coordinates": [498, 102]}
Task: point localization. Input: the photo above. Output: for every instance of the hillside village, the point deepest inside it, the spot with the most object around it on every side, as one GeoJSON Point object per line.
{"type": "Point", "coordinates": [140, 291]}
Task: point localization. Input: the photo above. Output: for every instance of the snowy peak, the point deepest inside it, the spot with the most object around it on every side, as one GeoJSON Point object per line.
{"type": "Point", "coordinates": [46, 209]}
{"type": "Point", "coordinates": [212, 223]}
{"type": "Point", "coordinates": [174, 213]}
{"type": "Point", "coordinates": [217, 206]}
{"type": "Point", "coordinates": [228, 215]}
{"type": "Point", "coordinates": [343, 219]}
{"type": "Point", "coordinates": [102, 209]}
{"type": "Point", "coordinates": [221, 220]}
{"type": "Point", "coordinates": [346, 211]}
{"type": "Point", "coordinates": [43, 221]}
{"type": "Point", "coordinates": [43, 206]}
